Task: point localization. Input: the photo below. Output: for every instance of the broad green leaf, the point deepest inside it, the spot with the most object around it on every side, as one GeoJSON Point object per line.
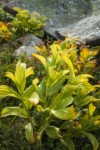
{"type": "Point", "coordinates": [89, 124]}
{"type": "Point", "coordinates": [20, 76]}
{"type": "Point", "coordinates": [93, 140]}
{"type": "Point", "coordinates": [67, 125]}
{"type": "Point", "coordinates": [68, 143]}
{"type": "Point", "coordinates": [80, 79]}
{"type": "Point", "coordinates": [27, 104]}
{"type": "Point", "coordinates": [86, 100]}
{"type": "Point", "coordinates": [87, 86]}
{"type": "Point", "coordinates": [6, 91]}
{"type": "Point", "coordinates": [29, 133]}
{"type": "Point", "coordinates": [38, 90]}
{"type": "Point", "coordinates": [42, 86]}
{"type": "Point", "coordinates": [61, 102]}
{"type": "Point", "coordinates": [81, 93]}
{"type": "Point", "coordinates": [53, 132]}
{"type": "Point", "coordinates": [34, 99]}
{"type": "Point", "coordinates": [65, 102]}
{"type": "Point", "coordinates": [86, 123]}
{"type": "Point", "coordinates": [92, 108]}
{"type": "Point", "coordinates": [14, 111]}
{"type": "Point", "coordinates": [43, 127]}
{"type": "Point", "coordinates": [65, 114]}
{"type": "Point", "coordinates": [56, 86]}
{"type": "Point", "coordinates": [73, 56]}
{"type": "Point", "coordinates": [40, 93]}
{"type": "Point", "coordinates": [29, 72]}
{"type": "Point", "coordinates": [53, 76]}
{"type": "Point", "coordinates": [41, 58]}
{"type": "Point", "coordinates": [68, 90]}
{"type": "Point", "coordinates": [11, 76]}
{"type": "Point", "coordinates": [30, 97]}
{"type": "Point", "coordinates": [29, 91]}
{"type": "Point", "coordinates": [70, 65]}
{"type": "Point", "coordinates": [34, 121]}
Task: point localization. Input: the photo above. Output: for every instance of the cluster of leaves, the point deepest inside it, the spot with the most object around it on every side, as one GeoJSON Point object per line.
{"type": "Point", "coordinates": [5, 34]}
{"type": "Point", "coordinates": [25, 22]}
{"type": "Point", "coordinates": [87, 60]}
{"type": "Point", "coordinates": [22, 23]}
{"type": "Point", "coordinates": [61, 105]}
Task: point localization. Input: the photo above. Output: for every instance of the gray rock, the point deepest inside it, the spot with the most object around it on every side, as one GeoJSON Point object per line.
{"type": "Point", "coordinates": [95, 6]}
{"type": "Point", "coordinates": [60, 12]}
{"type": "Point", "coordinates": [24, 50]}
{"type": "Point", "coordinates": [29, 41]}
{"type": "Point", "coordinates": [87, 30]}
{"type": "Point", "coordinates": [78, 18]}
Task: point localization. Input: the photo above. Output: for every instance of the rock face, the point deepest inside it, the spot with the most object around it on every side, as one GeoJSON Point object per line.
{"type": "Point", "coordinates": [88, 30]}
{"type": "Point", "coordinates": [59, 12]}
{"type": "Point", "coordinates": [95, 6]}
{"type": "Point", "coordinates": [78, 18]}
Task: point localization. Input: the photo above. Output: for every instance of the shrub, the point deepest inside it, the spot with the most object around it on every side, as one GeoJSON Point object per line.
{"type": "Point", "coordinates": [83, 58]}
{"type": "Point", "coordinates": [61, 105]}
{"type": "Point", "coordinates": [25, 22]}
{"type": "Point", "coordinates": [5, 34]}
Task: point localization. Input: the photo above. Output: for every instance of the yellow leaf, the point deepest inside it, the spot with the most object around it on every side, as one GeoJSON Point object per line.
{"type": "Point", "coordinates": [37, 48]}
{"type": "Point", "coordinates": [35, 81]}
{"type": "Point", "coordinates": [85, 52]}
{"type": "Point", "coordinates": [95, 52]}
{"type": "Point", "coordinates": [97, 122]}
{"type": "Point", "coordinates": [79, 66]}
{"type": "Point", "coordinates": [34, 99]}
{"type": "Point", "coordinates": [10, 75]}
{"type": "Point", "coordinates": [20, 76]}
{"type": "Point", "coordinates": [70, 65]}
{"type": "Point", "coordinates": [92, 108]}
{"type": "Point", "coordinates": [29, 72]}
{"type": "Point", "coordinates": [42, 59]}
{"type": "Point", "coordinates": [88, 86]}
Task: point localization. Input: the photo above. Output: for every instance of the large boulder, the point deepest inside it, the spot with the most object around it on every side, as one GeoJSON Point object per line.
{"type": "Point", "coordinates": [95, 6]}
{"type": "Point", "coordinates": [87, 30]}
{"type": "Point", "coordinates": [78, 18]}
{"type": "Point", "coordinates": [59, 12]}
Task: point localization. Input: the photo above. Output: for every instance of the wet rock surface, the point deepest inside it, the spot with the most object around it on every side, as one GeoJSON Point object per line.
{"type": "Point", "coordinates": [59, 12]}
{"type": "Point", "coordinates": [76, 18]}
{"type": "Point", "coordinates": [87, 30]}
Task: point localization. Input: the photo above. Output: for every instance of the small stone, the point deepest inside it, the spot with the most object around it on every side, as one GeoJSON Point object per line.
{"type": "Point", "coordinates": [24, 50]}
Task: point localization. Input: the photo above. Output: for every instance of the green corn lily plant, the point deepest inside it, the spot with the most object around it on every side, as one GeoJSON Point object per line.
{"type": "Point", "coordinates": [26, 100]}
{"type": "Point", "coordinates": [63, 100]}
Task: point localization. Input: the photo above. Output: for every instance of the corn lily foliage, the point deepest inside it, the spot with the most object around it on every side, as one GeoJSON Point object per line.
{"type": "Point", "coordinates": [64, 101]}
